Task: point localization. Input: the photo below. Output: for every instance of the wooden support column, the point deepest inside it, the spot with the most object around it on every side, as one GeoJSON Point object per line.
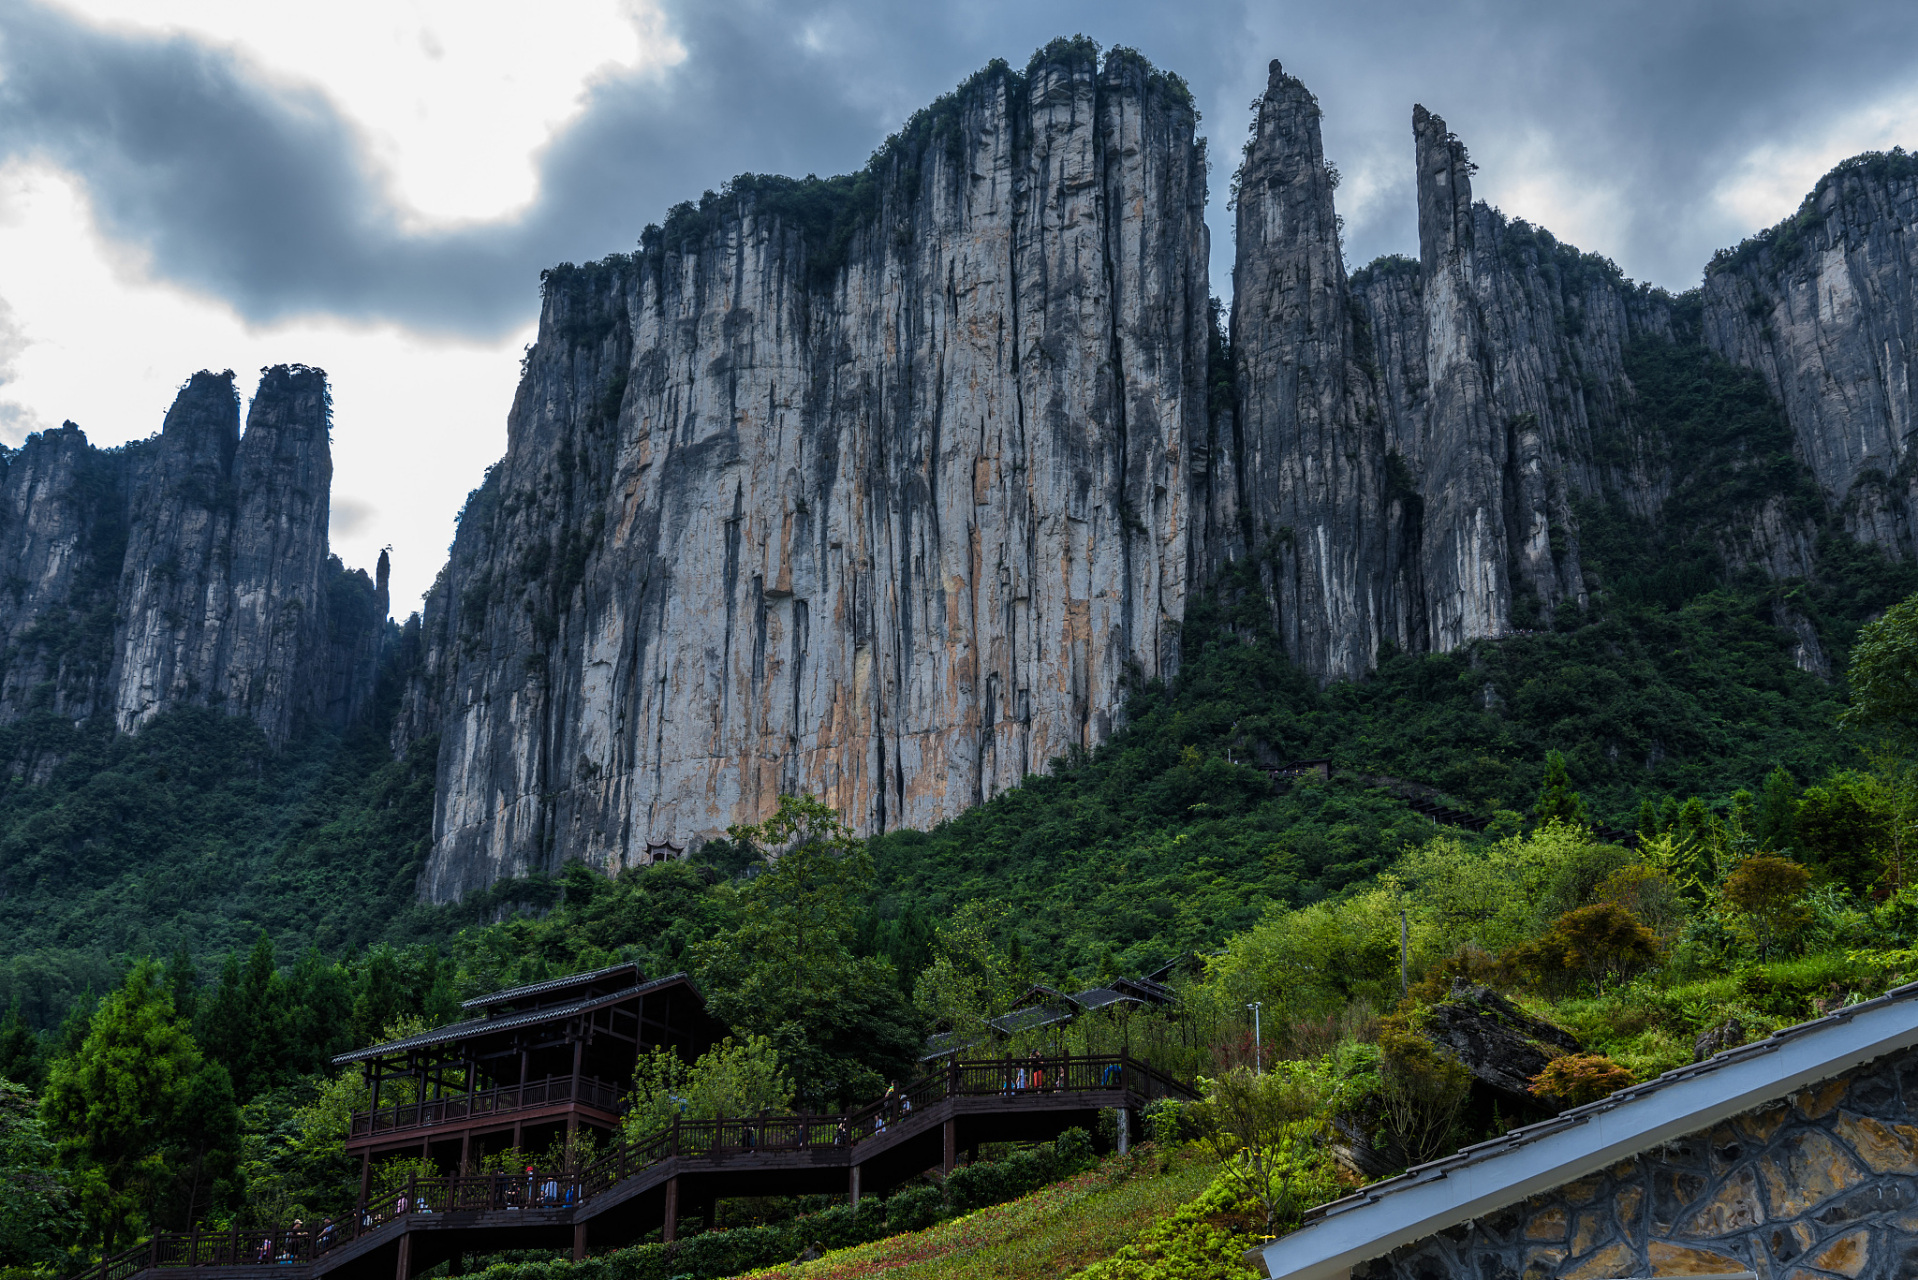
{"type": "Point", "coordinates": [366, 1176]}
{"type": "Point", "coordinates": [670, 1231]}
{"type": "Point", "coordinates": [579, 1241]}
{"type": "Point", "coordinates": [466, 1150]}
{"type": "Point", "coordinates": [403, 1267]}
{"type": "Point", "coordinates": [1125, 1130]}
{"type": "Point", "coordinates": [852, 1187]}
{"type": "Point", "coordinates": [952, 1145]}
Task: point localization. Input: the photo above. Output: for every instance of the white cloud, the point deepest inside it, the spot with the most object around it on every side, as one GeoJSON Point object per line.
{"type": "Point", "coordinates": [416, 421]}
{"type": "Point", "coordinates": [1773, 177]}
{"type": "Point", "coordinates": [455, 99]}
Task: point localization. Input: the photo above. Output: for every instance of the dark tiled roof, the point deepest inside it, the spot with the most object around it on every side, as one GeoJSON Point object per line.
{"type": "Point", "coordinates": [1032, 1017]}
{"type": "Point", "coordinates": [947, 1043]}
{"type": "Point", "coordinates": [535, 989]}
{"type": "Point", "coordinates": [487, 1026]}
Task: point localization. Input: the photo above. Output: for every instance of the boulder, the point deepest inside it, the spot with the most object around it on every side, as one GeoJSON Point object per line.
{"type": "Point", "coordinates": [1499, 1043]}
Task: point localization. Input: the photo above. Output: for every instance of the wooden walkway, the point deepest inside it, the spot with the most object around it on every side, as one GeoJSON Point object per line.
{"type": "Point", "coordinates": [650, 1185]}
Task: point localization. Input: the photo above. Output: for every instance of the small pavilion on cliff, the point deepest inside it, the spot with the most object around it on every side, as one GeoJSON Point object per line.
{"type": "Point", "coordinates": [534, 1062]}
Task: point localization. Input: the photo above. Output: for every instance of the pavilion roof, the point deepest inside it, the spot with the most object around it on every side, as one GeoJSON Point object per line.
{"type": "Point", "coordinates": [473, 1027]}
{"type": "Point", "coordinates": [533, 990]}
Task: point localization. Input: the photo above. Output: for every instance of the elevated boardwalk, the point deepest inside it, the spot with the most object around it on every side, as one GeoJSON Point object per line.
{"type": "Point", "coordinates": [640, 1187]}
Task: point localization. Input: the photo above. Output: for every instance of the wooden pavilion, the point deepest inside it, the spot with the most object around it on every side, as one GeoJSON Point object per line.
{"type": "Point", "coordinates": [534, 1062]}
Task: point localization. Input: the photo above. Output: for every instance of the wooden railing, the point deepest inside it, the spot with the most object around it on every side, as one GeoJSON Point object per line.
{"type": "Point", "coordinates": [503, 1100]}
{"type": "Point", "coordinates": [1025, 1079]}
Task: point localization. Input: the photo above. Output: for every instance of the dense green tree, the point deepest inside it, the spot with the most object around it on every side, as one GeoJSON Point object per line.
{"type": "Point", "coordinates": [115, 1104]}
{"type": "Point", "coordinates": [1768, 892]}
{"type": "Point", "coordinates": [1777, 811]}
{"type": "Point", "coordinates": [1557, 802]}
{"type": "Point", "coordinates": [21, 1061]}
{"type": "Point", "coordinates": [788, 970]}
{"type": "Point", "coordinates": [970, 978]}
{"type": "Point", "coordinates": [37, 1215]}
{"type": "Point", "coordinates": [1841, 827]}
{"type": "Point", "coordinates": [183, 982]}
{"type": "Point", "coordinates": [202, 1152]}
{"type": "Point", "coordinates": [734, 1078]}
{"type": "Point", "coordinates": [244, 1024]}
{"type": "Point", "coordinates": [1883, 676]}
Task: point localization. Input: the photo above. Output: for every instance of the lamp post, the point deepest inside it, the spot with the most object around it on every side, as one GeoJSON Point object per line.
{"type": "Point", "coordinates": [1258, 1047]}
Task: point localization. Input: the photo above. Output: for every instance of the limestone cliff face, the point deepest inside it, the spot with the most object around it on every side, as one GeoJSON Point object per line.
{"type": "Point", "coordinates": [188, 569]}
{"type": "Point", "coordinates": [1311, 444]}
{"type": "Point", "coordinates": [884, 487]}
{"type": "Point", "coordinates": [1825, 306]}
{"type": "Point", "coordinates": [891, 516]}
{"type": "Point", "coordinates": [1411, 440]}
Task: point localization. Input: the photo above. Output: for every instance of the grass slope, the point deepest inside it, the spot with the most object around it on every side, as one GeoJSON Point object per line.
{"type": "Point", "coordinates": [1050, 1233]}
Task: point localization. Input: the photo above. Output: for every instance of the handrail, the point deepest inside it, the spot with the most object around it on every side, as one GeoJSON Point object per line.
{"type": "Point", "coordinates": [1008, 1077]}
{"type": "Point", "coordinates": [500, 1100]}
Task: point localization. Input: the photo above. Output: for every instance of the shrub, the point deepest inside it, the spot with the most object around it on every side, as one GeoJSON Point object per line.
{"type": "Point", "coordinates": [1594, 943]}
{"type": "Point", "coordinates": [1422, 1090]}
{"type": "Point", "coordinates": [1578, 1078]}
{"type": "Point", "coordinates": [914, 1209]}
{"type": "Point", "coordinates": [1768, 892]}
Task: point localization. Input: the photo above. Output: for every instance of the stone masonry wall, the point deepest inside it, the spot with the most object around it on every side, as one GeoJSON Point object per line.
{"type": "Point", "coordinates": [1824, 1184]}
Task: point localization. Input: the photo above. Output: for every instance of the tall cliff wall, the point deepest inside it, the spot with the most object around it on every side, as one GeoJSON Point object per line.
{"type": "Point", "coordinates": [1311, 445]}
{"type": "Point", "coordinates": [887, 503]}
{"type": "Point", "coordinates": [188, 569]}
{"type": "Point", "coordinates": [1410, 442]}
{"type": "Point", "coordinates": [883, 487]}
{"type": "Point", "coordinates": [1825, 307]}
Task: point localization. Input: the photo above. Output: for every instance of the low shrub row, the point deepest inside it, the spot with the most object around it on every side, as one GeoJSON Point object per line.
{"type": "Point", "coordinates": [714, 1254]}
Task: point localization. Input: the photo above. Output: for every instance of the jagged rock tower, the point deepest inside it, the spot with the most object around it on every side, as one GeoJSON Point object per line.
{"type": "Point", "coordinates": [188, 569]}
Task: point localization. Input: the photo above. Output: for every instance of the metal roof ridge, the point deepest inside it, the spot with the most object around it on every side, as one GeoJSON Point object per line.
{"type": "Point", "coordinates": [1517, 1142]}
{"type": "Point", "coordinates": [547, 984]}
{"type": "Point", "coordinates": [453, 1030]}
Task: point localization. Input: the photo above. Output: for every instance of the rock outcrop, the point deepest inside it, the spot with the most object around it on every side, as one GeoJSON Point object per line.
{"type": "Point", "coordinates": [1825, 306]}
{"type": "Point", "coordinates": [188, 569]}
{"type": "Point", "coordinates": [1499, 1043]}
{"type": "Point", "coordinates": [888, 509]}
{"type": "Point", "coordinates": [1311, 447]}
{"type": "Point", "coordinates": [884, 487]}
{"type": "Point", "coordinates": [1449, 406]}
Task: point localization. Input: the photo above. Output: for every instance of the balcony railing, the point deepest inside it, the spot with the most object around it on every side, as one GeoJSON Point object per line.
{"type": "Point", "coordinates": [1017, 1082]}
{"type": "Point", "coordinates": [504, 1100]}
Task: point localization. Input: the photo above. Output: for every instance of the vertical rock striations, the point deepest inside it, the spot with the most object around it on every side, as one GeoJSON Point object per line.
{"type": "Point", "coordinates": [1410, 443]}
{"type": "Point", "coordinates": [881, 496]}
{"type": "Point", "coordinates": [187, 569]}
{"type": "Point", "coordinates": [1311, 445]}
{"type": "Point", "coordinates": [884, 487]}
{"type": "Point", "coordinates": [1825, 307]}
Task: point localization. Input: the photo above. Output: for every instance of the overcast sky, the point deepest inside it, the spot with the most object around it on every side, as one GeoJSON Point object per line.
{"type": "Point", "coordinates": [372, 186]}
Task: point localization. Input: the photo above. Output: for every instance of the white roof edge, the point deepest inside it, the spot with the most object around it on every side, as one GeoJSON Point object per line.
{"type": "Point", "coordinates": [1594, 1139]}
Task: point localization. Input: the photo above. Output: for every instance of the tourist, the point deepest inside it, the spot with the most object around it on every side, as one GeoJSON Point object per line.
{"type": "Point", "coordinates": [843, 1136]}
{"type": "Point", "coordinates": [327, 1231]}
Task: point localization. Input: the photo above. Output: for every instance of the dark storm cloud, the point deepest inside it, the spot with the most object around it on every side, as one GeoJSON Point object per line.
{"type": "Point", "coordinates": [263, 195]}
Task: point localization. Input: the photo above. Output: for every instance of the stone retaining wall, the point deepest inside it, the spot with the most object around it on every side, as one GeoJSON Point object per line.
{"type": "Point", "coordinates": [1824, 1184]}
